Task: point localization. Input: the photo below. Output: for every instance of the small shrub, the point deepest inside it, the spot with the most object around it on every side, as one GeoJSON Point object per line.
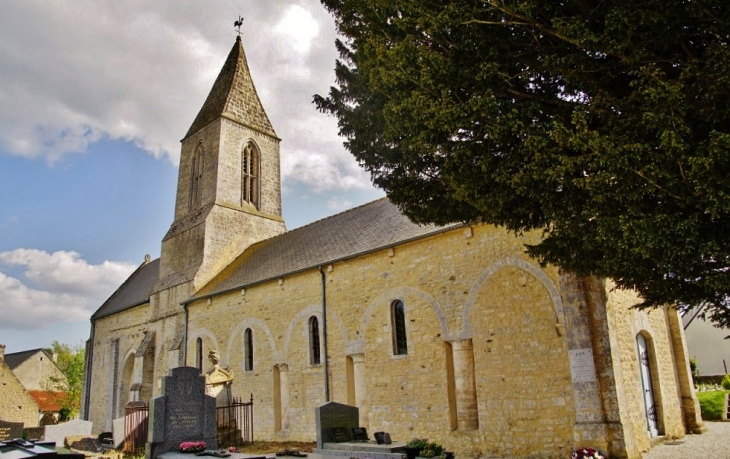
{"type": "Point", "coordinates": [432, 449]}
{"type": "Point", "coordinates": [417, 443]}
{"type": "Point", "coordinates": [726, 382]}
{"type": "Point", "coordinates": [712, 403]}
{"type": "Point", "coordinates": [694, 368]}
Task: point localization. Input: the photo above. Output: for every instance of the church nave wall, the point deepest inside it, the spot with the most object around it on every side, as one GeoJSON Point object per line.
{"type": "Point", "coordinates": [437, 279]}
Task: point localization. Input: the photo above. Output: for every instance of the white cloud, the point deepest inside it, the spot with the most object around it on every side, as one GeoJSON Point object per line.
{"type": "Point", "coordinates": [65, 288]}
{"type": "Point", "coordinates": [23, 307]}
{"type": "Point", "coordinates": [338, 204]}
{"type": "Point", "coordinates": [298, 27]}
{"type": "Point", "coordinates": [74, 73]}
{"type": "Point", "coordinates": [10, 220]}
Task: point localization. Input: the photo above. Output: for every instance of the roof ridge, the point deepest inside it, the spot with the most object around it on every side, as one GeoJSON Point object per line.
{"type": "Point", "coordinates": [334, 215]}
{"type": "Point", "coordinates": [303, 227]}
{"type": "Point", "coordinates": [239, 258]}
{"type": "Point", "coordinates": [27, 350]}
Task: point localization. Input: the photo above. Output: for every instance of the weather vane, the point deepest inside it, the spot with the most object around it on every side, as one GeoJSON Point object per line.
{"type": "Point", "coordinates": [238, 24]}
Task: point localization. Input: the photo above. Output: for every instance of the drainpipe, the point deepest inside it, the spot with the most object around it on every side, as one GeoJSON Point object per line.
{"type": "Point", "coordinates": [324, 335]}
{"type": "Point", "coordinates": [89, 367]}
{"type": "Point", "coordinates": [185, 336]}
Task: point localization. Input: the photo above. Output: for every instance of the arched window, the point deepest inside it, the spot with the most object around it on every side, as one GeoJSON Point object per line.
{"type": "Point", "coordinates": [249, 175]}
{"type": "Point", "coordinates": [199, 354]}
{"type": "Point", "coordinates": [248, 349]}
{"type": "Point", "coordinates": [398, 322]}
{"type": "Point", "coordinates": [196, 178]}
{"type": "Point", "coordinates": [314, 358]}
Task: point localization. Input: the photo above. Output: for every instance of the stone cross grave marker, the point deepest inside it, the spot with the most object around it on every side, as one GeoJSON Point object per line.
{"type": "Point", "coordinates": [59, 432]}
{"type": "Point", "coordinates": [335, 415]}
{"type": "Point", "coordinates": [182, 413]}
{"type": "Point", "coordinates": [10, 430]}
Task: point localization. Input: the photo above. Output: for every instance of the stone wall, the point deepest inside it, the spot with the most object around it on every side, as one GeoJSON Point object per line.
{"type": "Point", "coordinates": [116, 339]}
{"type": "Point", "coordinates": [666, 382]}
{"type": "Point", "coordinates": [16, 405]}
{"type": "Point", "coordinates": [490, 340]}
{"type": "Point", "coordinates": [470, 295]}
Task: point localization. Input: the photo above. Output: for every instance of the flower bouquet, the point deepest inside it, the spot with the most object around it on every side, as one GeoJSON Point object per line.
{"type": "Point", "coordinates": [415, 446]}
{"type": "Point", "coordinates": [586, 453]}
{"type": "Point", "coordinates": [192, 446]}
{"type": "Point", "coordinates": [432, 449]}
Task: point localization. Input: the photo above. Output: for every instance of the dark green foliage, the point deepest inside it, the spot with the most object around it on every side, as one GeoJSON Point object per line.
{"type": "Point", "coordinates": [694, 368]}
{"type": "Point", "coordinates": [605, 124]}
{"type": "Point", "coordinates": [725, 382]}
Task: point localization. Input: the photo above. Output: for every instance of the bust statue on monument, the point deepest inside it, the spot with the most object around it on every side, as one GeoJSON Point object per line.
{"type": "Point", "coordinates": [218, 380]}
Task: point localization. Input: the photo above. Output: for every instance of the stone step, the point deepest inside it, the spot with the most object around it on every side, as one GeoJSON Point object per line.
{"type": "Point", "coordinates": [361, 450]}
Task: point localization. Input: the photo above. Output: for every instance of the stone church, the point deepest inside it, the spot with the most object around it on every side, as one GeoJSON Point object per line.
{"type": "Point", "coordinates": [450, 333]}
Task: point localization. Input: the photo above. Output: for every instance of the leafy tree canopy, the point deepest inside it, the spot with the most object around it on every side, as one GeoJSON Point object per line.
{"type": "Point", "coordinates": [604, 124]}
{"type": "Point", "coordinates": [70, 360]}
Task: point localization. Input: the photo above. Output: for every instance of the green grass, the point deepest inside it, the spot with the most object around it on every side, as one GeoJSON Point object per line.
{"type": "Point", "coordinates": [712, 403]}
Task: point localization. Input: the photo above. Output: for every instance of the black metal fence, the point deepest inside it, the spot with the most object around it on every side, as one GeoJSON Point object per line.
{"type": "Point", "coordinates": [235, 423]}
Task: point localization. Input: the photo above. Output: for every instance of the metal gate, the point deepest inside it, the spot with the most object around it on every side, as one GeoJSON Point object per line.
{"type": "Point", "coordinates": [136, 416]}
{"type": "Point", "coordinates": [235, 423]}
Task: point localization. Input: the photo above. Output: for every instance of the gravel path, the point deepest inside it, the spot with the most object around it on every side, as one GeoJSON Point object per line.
{"type": "Point", "coordinates": [713, 444]}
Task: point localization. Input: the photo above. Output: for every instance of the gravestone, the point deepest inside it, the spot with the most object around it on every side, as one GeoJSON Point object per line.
{"type": "Point", "coordinates": [59, 432]}
{"type": "Point", "coordinates": [184, 412]}
{"type": "Point", "coordinates": [21, 449]}
{"type": "Point", "coordinates": [333, 415]}
{"type": "Point", "coordinates": [9, 430]}
{"type": "Point", "coordinates": [91, 444]}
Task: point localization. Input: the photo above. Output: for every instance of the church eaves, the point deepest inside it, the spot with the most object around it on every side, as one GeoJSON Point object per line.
{"type": "Point", "coordinates": [234, 96]}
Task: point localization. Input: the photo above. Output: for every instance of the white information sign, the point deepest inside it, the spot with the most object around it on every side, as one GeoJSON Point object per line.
{"type": "Point", "coordinates": [581, 365]}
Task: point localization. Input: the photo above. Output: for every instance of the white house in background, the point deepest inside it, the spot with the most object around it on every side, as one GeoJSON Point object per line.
{"type": "Point", "coordinates": [707, 344]}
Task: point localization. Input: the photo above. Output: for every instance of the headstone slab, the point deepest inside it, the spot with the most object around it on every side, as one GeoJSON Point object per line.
{"type": "Point", "coordinates": [58, 433]}
{"type": "Point", "coordinates": [333, 415]}
{"type": "Point", "coordinates": [21, 449]}
{"type": "Point", "coordinates": [182, 413]}
{"type": "Point", "coordinates": [10, 430]}
{"type": "Point", "coordinates": [118, 431]}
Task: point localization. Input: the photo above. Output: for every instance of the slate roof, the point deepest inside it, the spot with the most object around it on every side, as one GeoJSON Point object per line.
{"type": "Point", "coordinates": [373, 226]}
{"type": "Point", "coordinates": [234, 96]}
{"type": "Point", "coordinates": [16, 358]}
{"type": "Point", "coordinates": [134, 291]}
{"type": "Point", "coordinates": [367, 228]}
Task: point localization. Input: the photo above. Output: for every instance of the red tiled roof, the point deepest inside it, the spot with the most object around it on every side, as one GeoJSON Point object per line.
{"type": "Point", "coordinates": [47, 400]}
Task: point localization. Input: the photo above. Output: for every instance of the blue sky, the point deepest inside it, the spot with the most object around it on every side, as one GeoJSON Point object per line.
{"type": "Point", "coordinates": [94, 97]}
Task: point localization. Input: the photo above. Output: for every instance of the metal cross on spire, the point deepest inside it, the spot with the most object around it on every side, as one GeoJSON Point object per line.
{"type": "Point", "coordinates": [238, 24]}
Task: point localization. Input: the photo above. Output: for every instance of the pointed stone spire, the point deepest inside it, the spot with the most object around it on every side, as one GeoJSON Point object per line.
{"type": "Point", "coordinates": [234, 97]}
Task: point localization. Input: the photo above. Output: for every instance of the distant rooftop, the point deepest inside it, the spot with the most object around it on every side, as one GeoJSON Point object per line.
{"type": "Point", "coordinates": [16, 358]}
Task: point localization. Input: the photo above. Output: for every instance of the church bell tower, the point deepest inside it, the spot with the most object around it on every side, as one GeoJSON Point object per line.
{"type": "Point", "coordinates": [229, 182]}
